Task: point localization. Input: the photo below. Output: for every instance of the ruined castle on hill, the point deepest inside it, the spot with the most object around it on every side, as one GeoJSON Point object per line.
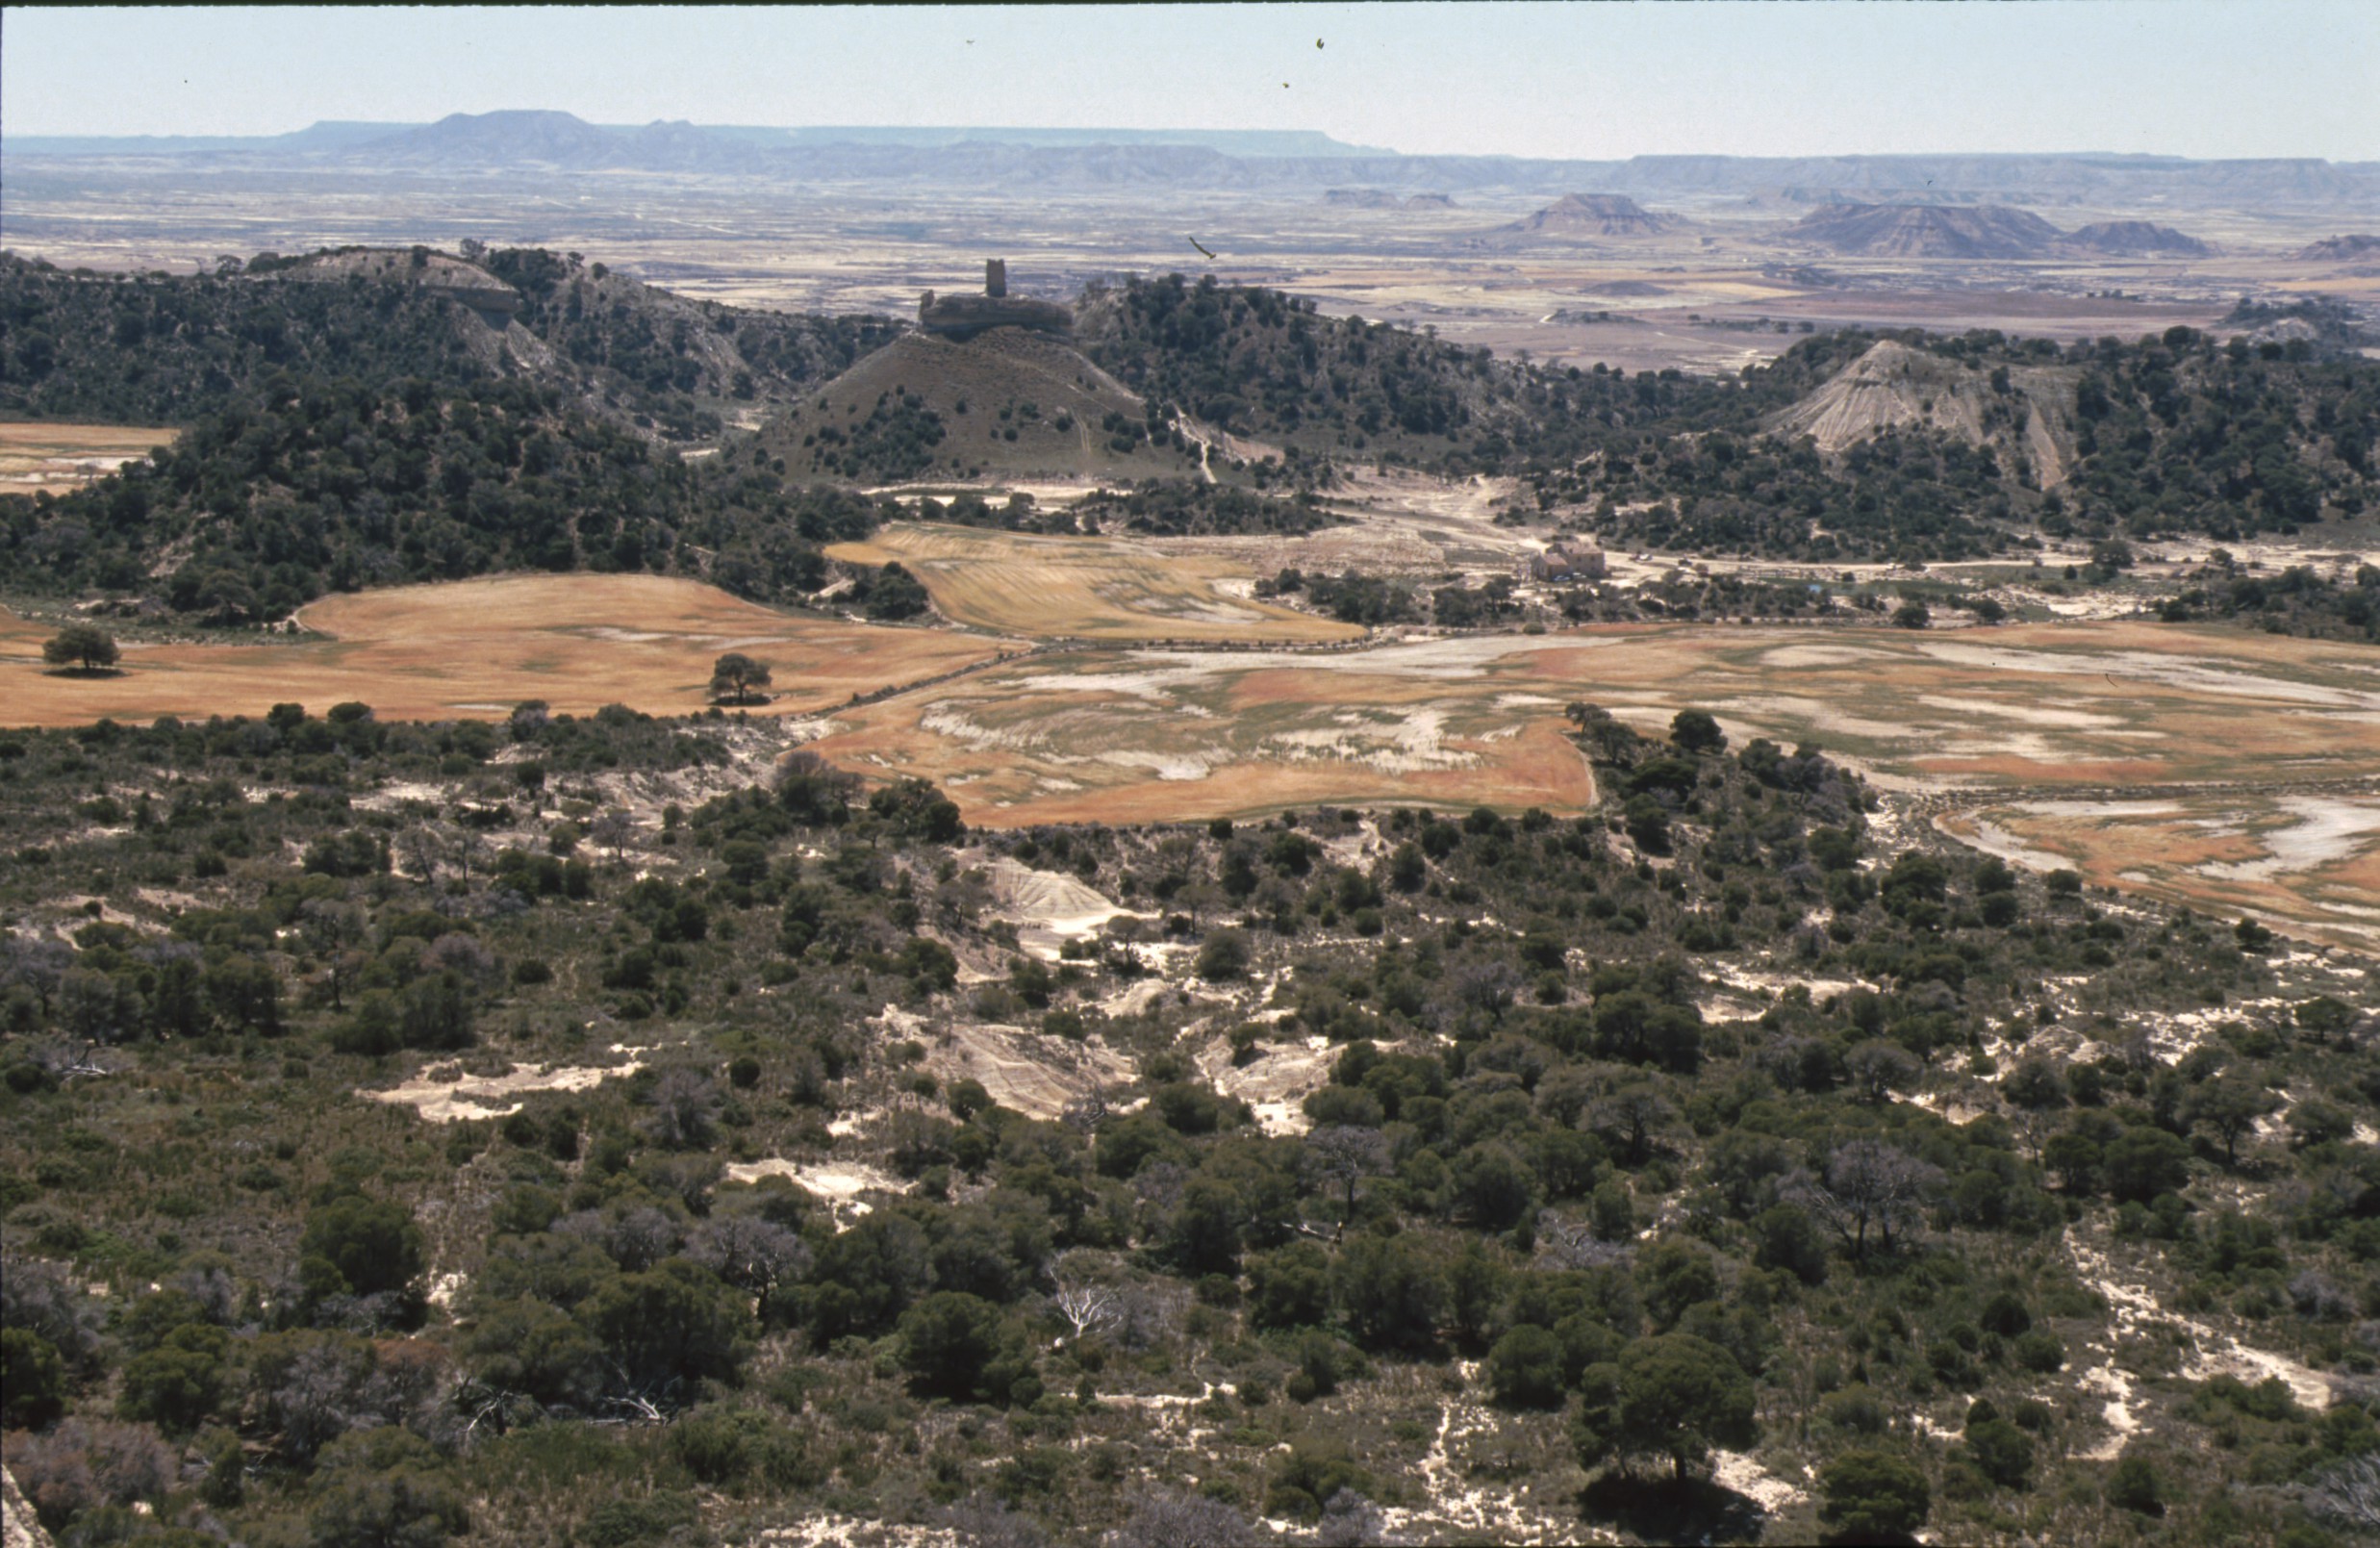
{"type": "Point", "coordinates": [963, 316]}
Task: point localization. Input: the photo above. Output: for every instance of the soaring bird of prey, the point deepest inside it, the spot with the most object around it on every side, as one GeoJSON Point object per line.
{"type": "Point", "coordinates": [1199, 245]}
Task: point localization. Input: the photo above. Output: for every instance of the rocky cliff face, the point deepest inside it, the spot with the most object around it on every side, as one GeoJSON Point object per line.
{"type": "Point", "coordinates": [20, 1527]}
{"type": "Point", "coordinates": [1894, 387]}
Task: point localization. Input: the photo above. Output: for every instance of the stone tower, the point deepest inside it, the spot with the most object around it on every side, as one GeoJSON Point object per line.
{"type": "Point", "coordinates": [996, 278]}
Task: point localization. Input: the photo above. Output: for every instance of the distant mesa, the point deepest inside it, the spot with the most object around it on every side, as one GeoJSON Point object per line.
{"type": "Point", "coordinates": [963, 316]}
{"type": "Point", "coordinates": [1383, 199]}
{"type": "Point", "coordinates": [562, 140]}
{"type": "Point", "coordinates": [2341, 249]}
{"type": "Point", "coordinates": [1926, 231]}
{"type": "Point", "coordinates": [2136, 239]}
{"type": "Point", "coordinates": [1581, 217]}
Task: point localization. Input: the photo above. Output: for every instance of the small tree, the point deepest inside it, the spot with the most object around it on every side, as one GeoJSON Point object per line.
{"type": "Point", "coordinates": [2229, 1105]}
{"type": "Point", "coordinates": [1693, 731]}
{"type": "Point", "coordinates": [1674, 1396]}
{"type": "Point", "coordinates": [86, 647]}
{"type": "Point", "coordinates": [736, 679]}
{"type": "Point", "coordinates": [372, 1244]}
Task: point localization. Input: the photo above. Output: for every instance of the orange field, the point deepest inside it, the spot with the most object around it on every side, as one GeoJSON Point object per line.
{"type": "Point", "coordinates": [474, 649]}
{"type": "Point", "coordinates": [1132, 735]}
{"type": "Point", "coordinates": [37, 455]}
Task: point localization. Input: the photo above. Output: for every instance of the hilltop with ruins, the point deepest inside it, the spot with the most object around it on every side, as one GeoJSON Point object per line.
{"type": "Point", "coordinates": [964, 316]}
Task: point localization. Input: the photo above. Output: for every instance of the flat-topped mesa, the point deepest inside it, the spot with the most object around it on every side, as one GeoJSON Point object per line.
{"type": "Point", "coordinates": [963, 316]}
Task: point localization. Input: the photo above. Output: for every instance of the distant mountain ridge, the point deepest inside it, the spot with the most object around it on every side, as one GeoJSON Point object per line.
{"type": "Point", "coordinates": [1241, 160]}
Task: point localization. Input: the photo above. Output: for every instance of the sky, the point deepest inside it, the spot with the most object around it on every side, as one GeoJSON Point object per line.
{"type": "Point", "coordinates": [2200, 78]}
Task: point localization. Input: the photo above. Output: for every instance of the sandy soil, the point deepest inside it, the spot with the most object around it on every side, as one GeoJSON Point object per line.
{"type": "Point", "coordinates": [442, 1094]}
{"type": "Point", "coordinates": [839, 1185]}
{"type": "Point", "coordinates": [1743, 1473]}
{"type": "Point", "coordinates": [1031, 1071]}
{"type": "Point", "coordinates": [2213, 1351]}
{"type": "Point", "coordinates": [474, 649]}
{"type": "Point", "coordinates": [1047, 907]}
{"type": "Point", "coordinates": [1275, 1083]}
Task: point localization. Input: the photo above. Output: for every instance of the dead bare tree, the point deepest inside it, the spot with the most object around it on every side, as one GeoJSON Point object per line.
{"type": "Point", "coordinates": [612, 829]}
{"type": "Point", "coordinates": [1630, 1118]}
{"type": "Point", "coordinates": [1572, 1244]}
{"type": "Point", "coordinates": [1088, 1309]}
{"type": "Point", "coordinates": [1869, 1188]}
{"type": "Point", "coordinates": [1879, 1068]}
{"type": "Point", "coordinates": [419, 849]}
{"type": "Point", "coordinates": [752, 1253]}
{"type": "Point", "coordinates": [1343, 1155]}
{"type": "Point", "coordinates": [2348, 1492]}
{"type": "Point", "coordinates": [1162, 1519]}
{"type": "Point", "coordinates": [1084, 1114]}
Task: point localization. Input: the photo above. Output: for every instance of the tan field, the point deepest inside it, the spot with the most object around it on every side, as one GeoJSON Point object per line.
{"type": "Point", "coordinates": [474, 649]}
{"type": "Point", "coordinates": [1105, 589]}
{"type": "Point", "coordinates": [36, 456]}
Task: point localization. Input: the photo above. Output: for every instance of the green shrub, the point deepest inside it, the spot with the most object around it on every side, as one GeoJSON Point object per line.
{"type": "Point", "coordinates": [1872, 1496]}
{"type": "Point", "coordinates": [32, 1379]}
{"type": "Point", "coordinates": [1525, 1369]}
{"type": "Point", "coordinates": [2133, 1485]}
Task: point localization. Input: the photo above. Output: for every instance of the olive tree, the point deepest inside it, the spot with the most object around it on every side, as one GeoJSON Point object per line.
{"type": "Point", "coordinates": [736, 679]}
{"type": "Point", "coordinates": [85, 647]}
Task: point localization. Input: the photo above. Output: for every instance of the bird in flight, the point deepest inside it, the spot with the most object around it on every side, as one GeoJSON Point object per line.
{"type": "Point", "coordinates": [1199, 245]}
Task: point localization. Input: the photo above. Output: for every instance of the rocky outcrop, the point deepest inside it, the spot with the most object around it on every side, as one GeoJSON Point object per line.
{"type": "Point", "coordinates": [20, 1527]}
{"type": "Point", "coordinates": [1894, 387]}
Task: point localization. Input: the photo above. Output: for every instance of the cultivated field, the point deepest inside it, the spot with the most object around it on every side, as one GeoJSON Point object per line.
{"type": "Point", "coordinates": [1158, 735]}
{"type": "Point", "coordinates": [37, 455]}
{"type": "Point", "coordinates": [474, 649]}
{"type": "Point", "coordinates": [2309, 859]}
{"type": "Point", "coordinates": [1106, 589]}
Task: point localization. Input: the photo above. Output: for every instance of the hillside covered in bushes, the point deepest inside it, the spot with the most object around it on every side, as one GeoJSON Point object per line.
{"type": "Point", "coordinates": [1713, 1166]}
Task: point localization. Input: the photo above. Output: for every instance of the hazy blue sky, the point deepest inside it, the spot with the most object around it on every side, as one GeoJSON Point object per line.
{"type": "Point", "coordinates": [2183, 77]}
